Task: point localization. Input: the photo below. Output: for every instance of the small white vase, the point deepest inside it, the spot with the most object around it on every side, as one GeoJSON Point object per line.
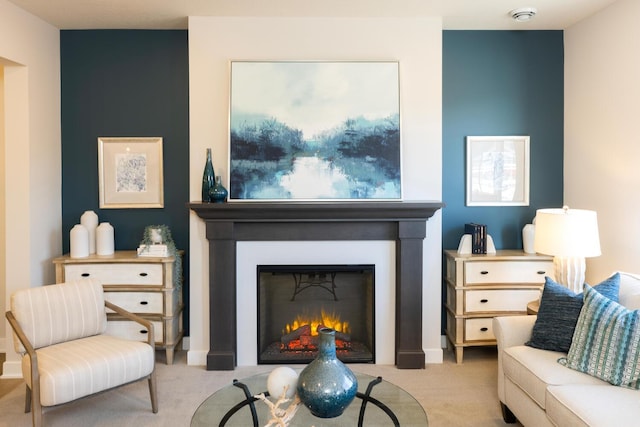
{"type": "Point", "coordinates": [89, 220]}
{"type": "Point", "coordinates": [105, 239]}
{"type": "Point", "coordinates": [78, 242]}
{"type": "Point", "coordinates": [528, 235]}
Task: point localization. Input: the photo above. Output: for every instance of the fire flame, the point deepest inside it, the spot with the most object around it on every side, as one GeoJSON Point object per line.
{"type": "Point", "coordinates": [330, 320]}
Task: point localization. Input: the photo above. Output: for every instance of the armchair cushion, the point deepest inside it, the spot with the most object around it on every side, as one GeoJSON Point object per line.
{"type": "Point", "coordinates": [62, 312]}
{"type": "Point", "coordinates": [74, 369]}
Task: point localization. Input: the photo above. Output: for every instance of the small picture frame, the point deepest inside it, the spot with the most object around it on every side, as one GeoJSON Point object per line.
{"type": "Point", "coordinates": [497, 171]}
{"type": "Point", "coordinates": [130, 172]}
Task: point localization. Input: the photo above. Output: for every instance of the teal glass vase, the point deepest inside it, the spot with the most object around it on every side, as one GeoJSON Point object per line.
{"type": "Point", "coordinates": [208, 179]}
{"type": "Point", "coordinates": [326, 386]}
{"type": "Point", "coordinates": [218, 194]}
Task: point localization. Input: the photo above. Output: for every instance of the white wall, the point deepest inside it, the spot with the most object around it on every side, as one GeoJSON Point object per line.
{"type": "Point", "coordinates": [602, 142]}
{"type": "Point", "coordinates": [3, 239]}
{"type": "Point", "coordinates": [415, 42]}
{"type": "Point", "coordinates": [30, 54]}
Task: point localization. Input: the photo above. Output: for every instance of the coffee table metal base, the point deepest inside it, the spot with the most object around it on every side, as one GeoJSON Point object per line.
{"type": "Point", "coordinates": [366, 397]}
{"type": "Point", "coordinates": [399, 407]}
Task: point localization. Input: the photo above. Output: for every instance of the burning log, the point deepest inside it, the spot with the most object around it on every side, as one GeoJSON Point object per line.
{"type": "Point", "coordinates": [296, 334]}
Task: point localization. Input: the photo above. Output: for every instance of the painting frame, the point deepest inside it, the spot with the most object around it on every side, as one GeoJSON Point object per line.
{"type": "Point", "coordinates": [305, 107]}
{"type": "Point", "coordinates": [497, 170]}
{"type": "Point", "coordinates": [130, 172]}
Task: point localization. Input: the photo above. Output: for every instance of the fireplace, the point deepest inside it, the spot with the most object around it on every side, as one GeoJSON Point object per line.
{"type": "Point", "coordinates": [230, 223]}
{"type": "Point", "coordinates": [295, 301]}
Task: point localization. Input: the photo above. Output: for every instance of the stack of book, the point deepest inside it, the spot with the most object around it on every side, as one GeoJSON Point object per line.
{"type": "Point", "coordinates": [153, 250]}
{"type": "Point", "coordinates": [478, 234]}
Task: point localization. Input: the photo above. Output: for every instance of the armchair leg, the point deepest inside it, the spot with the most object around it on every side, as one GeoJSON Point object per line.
{"type": "Point", "coordinates": [27, 400]}
{"type": "Point", "coordinates": [37, 418]}
{"type": "Point", "coordinates": [507, 415]}
{"type": "Point", "coordinates": [153, 392]}
{"type": "Point", "coordinates": [36, 408]}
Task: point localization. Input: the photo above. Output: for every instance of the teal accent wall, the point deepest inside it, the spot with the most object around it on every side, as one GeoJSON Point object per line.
{"type": "Point", "coordinates": [125, 83]}
{"type": "Point", "coordinates": [501, 83]}
{"type": "Point", "coordinates": [135, 83]}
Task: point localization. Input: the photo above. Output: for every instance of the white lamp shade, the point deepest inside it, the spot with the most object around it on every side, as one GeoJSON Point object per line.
{"type": "Point", "coordinates": [567, 233]}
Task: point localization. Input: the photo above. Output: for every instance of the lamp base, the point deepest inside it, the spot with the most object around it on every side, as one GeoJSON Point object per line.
{"type": "Point", "coordinates": [570, 272]}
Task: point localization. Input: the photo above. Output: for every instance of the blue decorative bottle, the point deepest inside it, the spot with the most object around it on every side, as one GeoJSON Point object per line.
{"type": "Point", "coordinates": [218, 194]}
{"type": "Point", "coordinates": [208, 179]}
{"type": "Point", "coordinates": [326, 386]}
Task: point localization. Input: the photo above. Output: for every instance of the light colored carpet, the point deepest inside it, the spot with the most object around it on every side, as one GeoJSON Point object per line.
{"type": "Point", "coordinates": [452, 395]}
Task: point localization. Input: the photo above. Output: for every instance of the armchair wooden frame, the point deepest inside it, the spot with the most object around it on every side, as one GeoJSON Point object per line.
{"type": "Point", "coordinates": [33, 390]}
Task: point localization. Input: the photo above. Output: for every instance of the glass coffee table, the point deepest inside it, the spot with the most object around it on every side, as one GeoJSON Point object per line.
{"type": "Point", "coordinates": [378, 404]}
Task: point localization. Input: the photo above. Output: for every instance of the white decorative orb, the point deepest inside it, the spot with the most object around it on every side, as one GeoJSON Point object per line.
{"type": "Point", "coordinates": [280, 378]}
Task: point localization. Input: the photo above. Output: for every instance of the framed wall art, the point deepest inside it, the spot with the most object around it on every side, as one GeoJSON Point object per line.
{"type": "Point", "coordinates": [497, 171]}
{"type": "Point", "coordinates": [314, 130]}
{"type": "Point", "coordinates": [130, 173]}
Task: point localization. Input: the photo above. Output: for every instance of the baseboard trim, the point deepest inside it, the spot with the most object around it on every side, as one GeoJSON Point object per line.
{"type": "Point", "coordinates": [433, 355]}
{"type": "Point", "coordinates": [197, 358]}
{"type": "Point", "coordinates": [11, 370]}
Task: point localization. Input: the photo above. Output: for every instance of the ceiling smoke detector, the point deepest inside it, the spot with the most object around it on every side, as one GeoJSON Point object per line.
{"type": "Point", "coordinates": [523, 14]}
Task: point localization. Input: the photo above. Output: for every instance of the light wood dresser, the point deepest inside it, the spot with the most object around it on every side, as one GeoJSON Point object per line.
{"type": "Point", "coordinates": [141, 285]}
{"type": "Point", "coordinates": [480, 287]}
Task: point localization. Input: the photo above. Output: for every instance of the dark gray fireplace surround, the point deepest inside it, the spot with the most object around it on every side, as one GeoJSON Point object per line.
{"type": "Point", "coordinates": [228, 223]}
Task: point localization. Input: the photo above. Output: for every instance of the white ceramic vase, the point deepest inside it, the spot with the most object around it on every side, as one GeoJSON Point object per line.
{"type": "Point", "coordinates": [78, 242]}
{"type": "Point", "coordinates": [105, 239]}
{"type": "Point", "coordinates": [89, 220]}
{"type": "Point", "coordinates": [528, 235]}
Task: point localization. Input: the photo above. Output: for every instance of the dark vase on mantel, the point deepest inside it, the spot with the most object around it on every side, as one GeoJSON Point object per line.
{"type": "Point", "coordinates": [218, 194]}
{"type": "Point", "coordinates": [326, 386]}
{"type": "Point", "coordinates": [208, 179]}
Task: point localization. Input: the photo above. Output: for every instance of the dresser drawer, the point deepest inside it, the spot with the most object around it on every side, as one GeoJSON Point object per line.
{"type": "Point", "coordinates": [134, 331]}
{"type": "Point", "coordinates": [482, 272]}
{"type": "Point", "coordinates": [499, 300]}
{"type": "Point", "coordinates": [137, 302]}
{"type": "Point", "coordinates": [479, 329]}
{"type": "Point", "coordinates": [117, 274]}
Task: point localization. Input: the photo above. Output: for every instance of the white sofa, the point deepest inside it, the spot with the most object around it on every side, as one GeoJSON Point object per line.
{"type": "Point", "coordinates": [537, 390]}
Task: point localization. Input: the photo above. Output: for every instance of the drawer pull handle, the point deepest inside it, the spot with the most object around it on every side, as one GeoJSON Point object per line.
{"type": "Point", "coordinates": [86, 274]}
{"type": "Point", "coordinates": [484, 272]}
{"type": "Point", "coordinates": [144, 302]}
{"type": "Point", "coordinates": [143, 274]}
{"type": "Point", "coordinates": [484, 329]}
{"type": "Point", "coordinates": [143, 331]}
{"type": "Point", "coordinates": [484, 300]}
{"type": "Point", "coordinates": [541, 272]}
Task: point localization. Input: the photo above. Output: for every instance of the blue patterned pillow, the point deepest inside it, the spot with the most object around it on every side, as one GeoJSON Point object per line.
{"type": "Point", "coordinates": [606, 342]}
{"type": "Point", "coordinates": [559, 311]}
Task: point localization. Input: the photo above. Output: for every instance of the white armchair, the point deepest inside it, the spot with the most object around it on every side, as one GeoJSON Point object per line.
{"type": "Point", "coordinates": [60, 332]}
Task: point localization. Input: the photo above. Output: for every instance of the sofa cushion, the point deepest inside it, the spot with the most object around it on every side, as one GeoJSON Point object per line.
{"type": "Point", "coordinates": [606, 343]}
{"type": "Point", "coordinates": [559, 311]}
{"type": "Point", "coordinates": [533, 370]}
{"type": "Point", "coordinates": [592, 405]}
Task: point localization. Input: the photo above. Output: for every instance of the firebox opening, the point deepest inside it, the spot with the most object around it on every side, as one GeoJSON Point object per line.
{"type": "Point", "coordinates": [294, 301]}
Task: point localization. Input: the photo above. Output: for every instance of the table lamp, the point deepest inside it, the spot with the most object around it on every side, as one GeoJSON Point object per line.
{"type": "Point", "coordinates": [570, 235]}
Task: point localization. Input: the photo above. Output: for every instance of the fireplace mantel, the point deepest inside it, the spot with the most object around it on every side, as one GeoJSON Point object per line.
{"type": "Point", "coordinates": [228, 223]}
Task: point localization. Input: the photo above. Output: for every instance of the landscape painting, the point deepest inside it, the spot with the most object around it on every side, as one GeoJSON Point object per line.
{"type": "Point", "coordinates": [314, 131]}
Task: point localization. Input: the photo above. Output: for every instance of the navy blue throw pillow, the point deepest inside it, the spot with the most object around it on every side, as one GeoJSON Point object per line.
{"type": "Point", "coordinates": [559, 311]}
